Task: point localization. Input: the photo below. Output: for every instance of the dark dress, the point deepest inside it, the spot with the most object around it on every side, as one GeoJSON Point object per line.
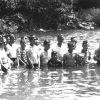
{"type": "Point", "coordinates": [54, 64]}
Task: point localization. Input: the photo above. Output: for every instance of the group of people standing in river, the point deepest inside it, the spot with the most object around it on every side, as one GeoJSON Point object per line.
{"type": "Point", "coordinates": [30, 54]}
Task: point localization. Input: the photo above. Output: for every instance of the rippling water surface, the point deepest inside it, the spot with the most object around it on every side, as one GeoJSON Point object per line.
{"type": "Point", "coordinates": [70, 84]}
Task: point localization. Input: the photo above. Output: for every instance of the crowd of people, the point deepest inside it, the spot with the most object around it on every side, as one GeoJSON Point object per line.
{"type": "Point", "coordinates": [31, 55]}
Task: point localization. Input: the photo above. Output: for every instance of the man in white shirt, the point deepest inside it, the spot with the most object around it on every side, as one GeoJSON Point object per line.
{"type": "Point", "coordinates": [11, 49]}
{"type": "Point", "coordinates": [60, 47]}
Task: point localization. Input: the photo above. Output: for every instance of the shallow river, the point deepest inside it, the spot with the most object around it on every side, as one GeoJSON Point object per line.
{"type": "Point", "coordinates": [80, 84]}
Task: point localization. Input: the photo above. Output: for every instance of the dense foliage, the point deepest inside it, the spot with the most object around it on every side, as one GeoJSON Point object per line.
{"type": "Point", "coordinates": [46, 14]}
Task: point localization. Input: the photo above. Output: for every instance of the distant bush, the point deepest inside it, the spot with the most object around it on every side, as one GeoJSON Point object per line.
{"type": "Point", "coordinates": [92, 14]}
{"type": "Point", "coordinates": [46, 14]}
{"type": "Point", "coordinates": [95, 13]}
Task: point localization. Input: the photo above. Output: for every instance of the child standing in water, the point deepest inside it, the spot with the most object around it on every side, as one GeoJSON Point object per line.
{"type": "Point", "coordinates": [54, 62]}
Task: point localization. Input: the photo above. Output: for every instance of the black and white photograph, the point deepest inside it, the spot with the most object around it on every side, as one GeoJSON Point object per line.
{"type": "Point", "coordinates": [49, 49]}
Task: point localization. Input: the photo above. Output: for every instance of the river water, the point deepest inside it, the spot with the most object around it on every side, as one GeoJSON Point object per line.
{"type": "Point", "coordinates": [70, 84]}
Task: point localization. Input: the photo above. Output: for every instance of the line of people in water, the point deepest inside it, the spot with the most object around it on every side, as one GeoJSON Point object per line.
{"type": "Point", "coordinates": [30, 54]}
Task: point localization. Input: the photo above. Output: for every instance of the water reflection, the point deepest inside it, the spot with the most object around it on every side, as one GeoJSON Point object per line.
{"type": "Point", "coordinates": [59, 84]}
{"type": "Point", "coordinates": [62, 84]}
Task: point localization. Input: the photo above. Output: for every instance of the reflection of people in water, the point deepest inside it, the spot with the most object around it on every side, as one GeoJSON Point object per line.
{"type": "Point", "coordinates": [30, 76]}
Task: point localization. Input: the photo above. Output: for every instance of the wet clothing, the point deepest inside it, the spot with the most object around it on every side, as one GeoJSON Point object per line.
{"type": "Point", "coordinates": [54, 64]}
{"type": "Point", "coordinates": [12, 50]}
{"type": "Point", "coordinates": [44, 58]}
{"type": "Point", "coordinates": [34, 55]}
{"type": "Point", "coordinates": [23, 58]}
{"type": "Point", "coordinates": [69, 60]}
{"type": "Point", "coordinates": [22, 54]}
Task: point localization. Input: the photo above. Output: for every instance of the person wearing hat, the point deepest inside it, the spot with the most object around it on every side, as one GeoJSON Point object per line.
{"type": "Point", "coordinates": [69, 59]}
{"type": "Point", "coordinates": [60, 47]}
{"type": "Point", "coordinates": [45, 54]}
{"type": "Point", "coordinates": [54, 62]}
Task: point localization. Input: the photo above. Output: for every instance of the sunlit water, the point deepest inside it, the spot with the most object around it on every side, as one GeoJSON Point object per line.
{"type": "Point", "coordinates": [70, 84]}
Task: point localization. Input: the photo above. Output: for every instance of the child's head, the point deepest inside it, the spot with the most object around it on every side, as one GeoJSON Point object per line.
{"type": "Point", "coordinates": [54, 55]}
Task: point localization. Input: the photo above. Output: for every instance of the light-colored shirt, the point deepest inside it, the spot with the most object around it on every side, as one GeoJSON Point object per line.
{"type": "Point", "coordinates": [60, 50]}
{"type": "Point", "coordinates": [12, 50]}
{"type": "Point", "coordinates": [33, 54]}
{"type": "Point", "coordinates": [4, 59]}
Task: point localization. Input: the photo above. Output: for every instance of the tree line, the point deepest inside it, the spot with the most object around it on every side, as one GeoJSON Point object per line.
{"type": "Point", "coordinates": [48, 14]}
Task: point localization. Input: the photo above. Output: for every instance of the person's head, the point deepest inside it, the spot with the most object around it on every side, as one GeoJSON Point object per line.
{"type": "Point", "coordinates": [37, 41]}
{"type": "Point", "coordinates": [72, 39]}
{"type": "Point", "coordinates": [60, 38]}
{"type": "Point", "coordinates": [1, 42]}
{"type": "Point", "coordinates": [7, 38]}
{"type": "Point", "coordinates": [54, 55]}
{"type": "Point", "coordinates": [85, 44]}
{"type": "Point", "coordinates": [12, 38]}
{"type": "Point", "coordinates": [26, 39]}
{"type": "Point", "coordinates": [31, 40]}
{"type": "Point", "coordinates": [70, 47]}
{"type": "Point", "coordinates": [46, 44]}
{"type": "Point", "coordinates": [4, 40]}
{"type": "Point", "coordinates": [22, 42]}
